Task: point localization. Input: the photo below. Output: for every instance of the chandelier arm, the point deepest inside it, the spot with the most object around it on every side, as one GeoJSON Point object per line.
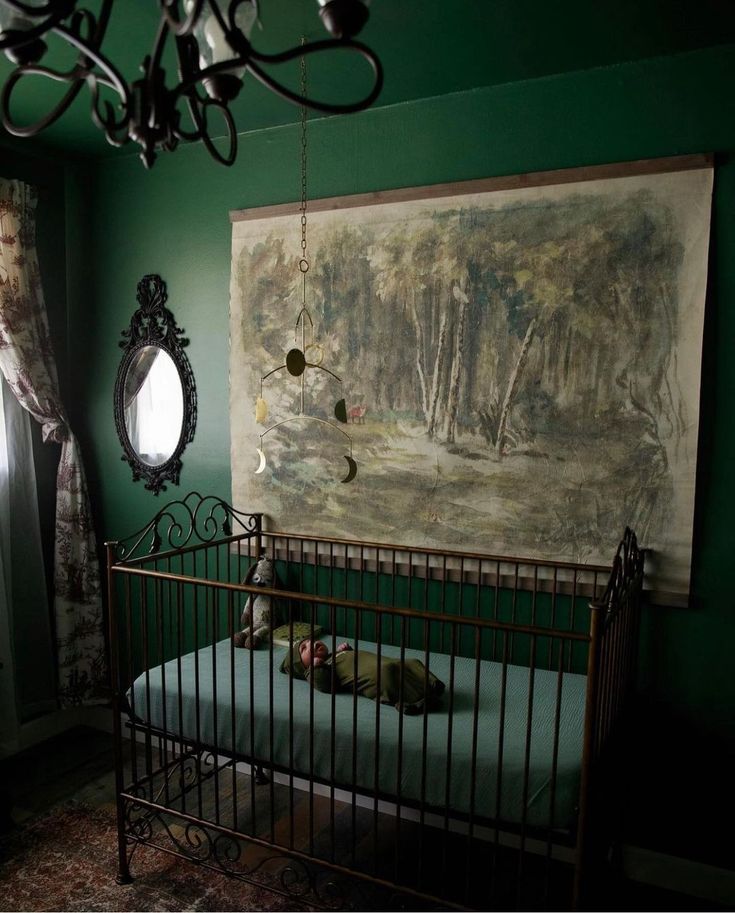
{"type": "Point", "coordinates": [313, 103]}
{"type": "Point", "coordinates": [191, 136]}
{"type": "Point", "coordinates": [154, 77]}
{"type": "Point", "coordinates": [186, 54]}
{"type": "Point", "coordinates": [231, 133]}
{"type": "Point", "coordinates": [48, 119]}
{"type": "Point", "coordinates": [107, 123]}
{"type": "Point", "coordinates": [182, 27]}
{"type": "Point", "coordinates": [158, 46]}
{"type": "Point", "coordinates": [197, 110]}
{"type": "Point", "coordinates": [314, 47]}
{"type": "Point", "coordinates": [82, 71]}
{"type": "Point", "coordinates": [248, 62]}
{"type": "Point", "coordinates": [110, 75]}
{"type": "Point", "coordinates": [33, 12]}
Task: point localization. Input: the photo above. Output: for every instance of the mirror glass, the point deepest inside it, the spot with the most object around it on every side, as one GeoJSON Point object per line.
{"type": "Point", "coordinates": [154, 405]}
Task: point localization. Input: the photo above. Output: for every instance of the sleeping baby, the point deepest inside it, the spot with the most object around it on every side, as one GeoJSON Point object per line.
{"type": "Point", "coordinates": [406, 685]}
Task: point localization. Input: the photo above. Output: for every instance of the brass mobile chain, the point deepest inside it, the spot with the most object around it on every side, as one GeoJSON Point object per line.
{"type": "Point", "coordinates": [304, 314]}
{"type": "Point", "coordinates": [296, 359]}
{"type": "Point", "coordinates": [304, 262]}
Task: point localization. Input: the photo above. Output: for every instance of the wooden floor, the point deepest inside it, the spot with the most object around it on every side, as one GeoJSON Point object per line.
{"type": "Point", "coordinates": [78, 766]}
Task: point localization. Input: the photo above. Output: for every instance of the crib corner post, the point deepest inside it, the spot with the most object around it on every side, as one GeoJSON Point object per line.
{"type": "Point", "coordinates": [123, 876]}
{"type": "Point", "coordinates": [113, 647]}
{"type": "Point", "coordinates": [123, 872]}
{"type": "Point", "coordinates": [597, 618]}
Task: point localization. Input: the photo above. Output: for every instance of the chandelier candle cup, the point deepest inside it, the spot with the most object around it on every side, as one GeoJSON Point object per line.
{"type": "Point", "coordinates": [214, 48]}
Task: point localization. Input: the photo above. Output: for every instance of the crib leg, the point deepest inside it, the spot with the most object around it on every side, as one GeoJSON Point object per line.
{"type": "Point", "coordinates": [123, 865]}
{"type": "Point", "coordinates": [260, 776]}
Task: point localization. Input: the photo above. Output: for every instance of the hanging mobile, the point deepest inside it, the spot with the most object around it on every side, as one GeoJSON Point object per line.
{"type": "Point", "coordinates": [298, 360]}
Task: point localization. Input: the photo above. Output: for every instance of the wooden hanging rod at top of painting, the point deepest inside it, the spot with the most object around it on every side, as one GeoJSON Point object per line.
{"type": "Point", "coordinates": [487, 185]}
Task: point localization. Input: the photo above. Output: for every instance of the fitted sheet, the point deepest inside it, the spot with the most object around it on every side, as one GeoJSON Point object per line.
{"type": "Point", "coordinates": [211, 666]}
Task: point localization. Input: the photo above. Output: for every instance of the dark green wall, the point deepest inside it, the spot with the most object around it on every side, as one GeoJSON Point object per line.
{"type": "Point", "coordinates": [174, 221]}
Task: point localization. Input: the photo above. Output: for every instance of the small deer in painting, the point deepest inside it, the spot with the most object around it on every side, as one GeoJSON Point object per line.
{"type": "Point", "coordinates": [357, 415]}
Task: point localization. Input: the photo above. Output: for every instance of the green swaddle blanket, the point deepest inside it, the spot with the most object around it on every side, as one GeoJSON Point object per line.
{"type": "Point", "coordinates": [407, 685]}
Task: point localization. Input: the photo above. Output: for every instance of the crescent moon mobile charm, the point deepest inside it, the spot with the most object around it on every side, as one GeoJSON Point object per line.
{"type": "Point", "coordinates": [352, 471]}
{"type": "Point", "coordinates": [262, 464]}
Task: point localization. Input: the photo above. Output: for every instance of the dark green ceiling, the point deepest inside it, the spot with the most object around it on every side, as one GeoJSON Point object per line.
{"type": "Point", "coordinates": [428, 48]}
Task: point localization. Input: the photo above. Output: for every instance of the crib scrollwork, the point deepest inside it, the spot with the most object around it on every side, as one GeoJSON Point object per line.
{"type": "Point", "coordinates": [626, 575]}
{"type": "Point", "coordinates": [188, 770]}
{"type": "Point", "coordinates": [191, 520]}
{"type": "Point", "coordinates": [204, 845]}
{"type": "Point", "coordinates": [138, 818]}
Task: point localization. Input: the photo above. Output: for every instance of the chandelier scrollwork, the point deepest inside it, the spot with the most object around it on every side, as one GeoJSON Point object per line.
{"type": "Point", "coordinates": [213, 52]}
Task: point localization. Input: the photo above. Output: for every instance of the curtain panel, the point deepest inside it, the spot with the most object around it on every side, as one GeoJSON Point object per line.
{"type": "Point", "coordinates": [28, 658]}
{"type": "Point", "coordinates": [28, 365]}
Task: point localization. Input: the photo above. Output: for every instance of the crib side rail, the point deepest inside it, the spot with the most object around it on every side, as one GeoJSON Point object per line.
{"type": "Point", "coordinates": [351, 548]}
{"type": "Point", "coordinates": [360, 579]}
{"type": "Point", "coordinates": [347, 605]}
{"type": "Point", "coordinates": [553, 594]}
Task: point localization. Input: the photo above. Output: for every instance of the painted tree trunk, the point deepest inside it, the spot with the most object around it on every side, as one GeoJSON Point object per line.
{"type": "Point", "coordinates": [512, 385]}
{"type": "Point", "coordinates": [456, 376]}
{"type": "Point", "coordinates": [436, 380]}
{"type": "Point", "coordinates": [420, 350]}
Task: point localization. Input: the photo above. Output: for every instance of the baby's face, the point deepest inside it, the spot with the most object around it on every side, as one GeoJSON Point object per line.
{"type": "Point", "coordinates": [313, 651]}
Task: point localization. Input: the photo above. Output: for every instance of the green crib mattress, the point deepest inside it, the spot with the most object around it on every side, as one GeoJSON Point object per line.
{"type": "Point", "coordinates": [166, 697]}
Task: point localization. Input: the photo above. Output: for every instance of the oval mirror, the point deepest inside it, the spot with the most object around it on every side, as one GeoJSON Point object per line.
{"type": "Point", "coordinates": [155, 397]}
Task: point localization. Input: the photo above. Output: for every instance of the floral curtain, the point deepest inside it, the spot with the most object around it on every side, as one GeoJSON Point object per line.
{"type": "Point", "coordinates": [28, 365]}
{"type": "Point", "coordinates": [138, 371]}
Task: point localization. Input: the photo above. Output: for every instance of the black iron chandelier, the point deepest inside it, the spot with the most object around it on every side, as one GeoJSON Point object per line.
{"type": "Point", "coordinates": [213, 52]}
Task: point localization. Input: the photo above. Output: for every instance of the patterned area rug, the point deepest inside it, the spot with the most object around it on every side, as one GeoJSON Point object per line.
{"type": "Point", "coordinates": [66, 860]}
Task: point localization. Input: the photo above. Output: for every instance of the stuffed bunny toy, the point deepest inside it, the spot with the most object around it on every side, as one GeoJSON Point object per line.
{"type": "Point", "coordinates": [256, 616]}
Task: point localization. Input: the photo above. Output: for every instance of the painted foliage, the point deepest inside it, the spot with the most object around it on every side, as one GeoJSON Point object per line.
{"type": "Point", "coordinates": [521, 368]}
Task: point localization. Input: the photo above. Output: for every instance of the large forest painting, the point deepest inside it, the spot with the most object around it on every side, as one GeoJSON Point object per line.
{"type": "Point", "coordinates": [521, 369]}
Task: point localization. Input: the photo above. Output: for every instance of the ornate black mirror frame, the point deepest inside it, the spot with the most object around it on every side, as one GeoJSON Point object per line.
{"type": "Point", "coordinates": [153, 324]}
